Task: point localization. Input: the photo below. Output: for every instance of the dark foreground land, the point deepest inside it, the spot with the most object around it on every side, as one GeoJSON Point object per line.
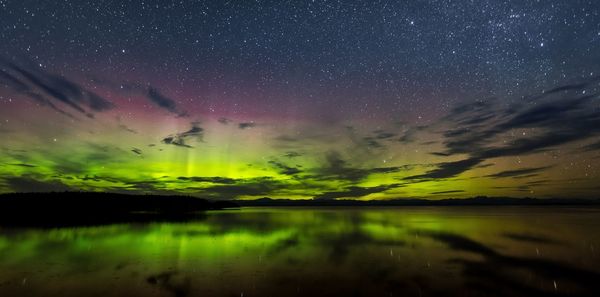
{"type": "Point", "coordinates": [91, 208]}
{"type": "Point", "coordinates": [58, 209]}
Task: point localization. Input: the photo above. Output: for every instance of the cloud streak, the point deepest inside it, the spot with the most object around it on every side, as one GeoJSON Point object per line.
{"type": "Point", "coordinates": [557, 117]}
{"type": "Point", "coordinates": [519, 172]}
{"type": "Point", "coordinates": [164, 102]}
{"type": "Point", "coordinates": [51, 90]}
{"type": "Point", "coordinates": [355, 192]}
{"type": "Point", "coordinates": [180, 139]}
{"type": "Point", "coordinates": [246, 125]}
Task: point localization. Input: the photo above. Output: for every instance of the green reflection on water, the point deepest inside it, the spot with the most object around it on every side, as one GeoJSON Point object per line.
{"type": "Point", "coordinates": [313, 251]}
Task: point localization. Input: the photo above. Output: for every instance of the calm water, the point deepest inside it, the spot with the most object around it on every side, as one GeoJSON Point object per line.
{"type": "Point", "coordinates": [426, 251]}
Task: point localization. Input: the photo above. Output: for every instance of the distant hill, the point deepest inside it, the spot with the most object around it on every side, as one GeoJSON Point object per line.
{"type": "Point", "coordinates": [480, 200]}
{"type": "Point", "coordinates": [97, 208]}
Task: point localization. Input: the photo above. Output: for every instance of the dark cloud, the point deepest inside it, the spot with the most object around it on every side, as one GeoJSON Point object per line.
{"type": "Point", "coordinates": [152, 93]}
{"type": "Point", "coordinates": [381, 134]}
{"type": "Point", "coordinates": [518, 172]}
{"type": "Point", "coordinates": [45, 102]}
{"type": "Point", "coordinates": [478, 107]}
{"type": "Point", "coordinates": [124, 127]}
{"type": "Point", "coordinates": [145, 186]}
{"type": "Point", "coordinates": [537, 144]}
{"type": "Point", "coordinates": [92, 154]}
{"type": "Point", "coordinates": [485, 165]}
{"type": "Point", "coordinates": [292, 155]}
{"type": "Point", "coordinates": [97, 103]}
{"type": "Point", "coordinates": [158, 186]}
{"type": "Point", "coordinates": [260, 186]}
{"type": "Point", "coordinates": [44, 88]}
{"type": "Point", "coordinates": [408, 136]}
{"type": "Point", "coordinates": [176, 141]}
{"type": "Point", "coordinates": [31, 184]}
{"type": "Point", "coordinates": [336, 168]}
{"type": "Point", "coordinates": [59, 88]}
{"type": "Point", "coordinates": [163, 101]}
{"type": "Point", "coordinates": [285, 169]}
{"type": "Point", "coordinates": [538, 182]}
{"type": "Point", "coordinates": [246, 125]}
{"type": "Point", "coordinates": [592, 147]}
{"type": "Point", "coordinates": [233, 191]}
{"type": "Point", "coordinates": [448, 169]}
{"type": "Point", "coordinates": [375, 140]}
{"type": "Point", "coordinates": [447, 192]}
{"type": "Point", "coordinates": [531, 238]}
{"type": "Point", "coordinates": [99, 178]}
{"type": "Point", "coordinates": [441, 154]}
{"type": "Point", "coordinates": [354, 192]}
{"type": "Point", "coordinates": [476, 129]}
{"type": "Point", "coordinates": [179, 139]}
{"type": "Point", "coordinates": [10, 81]}
{"type": "Point", "coordinates": [372, 142]}
{"type": "Point", "coordinates": [209, 179]}
{"type": "Point", "coordinates": [571, 87]}
{"type": "Point", "coordinates": [550, 113]}
{"type": "Point", "coordinates": [22, 165]}
{"type": "Point", "coordinates": [224, 121]}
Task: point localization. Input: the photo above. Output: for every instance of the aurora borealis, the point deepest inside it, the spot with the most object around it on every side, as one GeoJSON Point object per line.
{"type": "Point", "coordinates": [301, 99]}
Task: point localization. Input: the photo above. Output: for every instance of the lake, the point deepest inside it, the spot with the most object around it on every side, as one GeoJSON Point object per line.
{"type": "Point", "coordinates": [375, 251]}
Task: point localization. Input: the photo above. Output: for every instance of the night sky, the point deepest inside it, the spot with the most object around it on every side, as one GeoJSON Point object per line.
{"type": "Point", "coordinates": [301, 99]}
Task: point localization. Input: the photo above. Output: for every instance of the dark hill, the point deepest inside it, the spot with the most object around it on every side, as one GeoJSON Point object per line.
{"type": "Point", "coordinates": [96, 208]}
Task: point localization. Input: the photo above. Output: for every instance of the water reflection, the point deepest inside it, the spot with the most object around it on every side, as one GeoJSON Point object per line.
{"type": "Point", "coordinates": [314, 252]}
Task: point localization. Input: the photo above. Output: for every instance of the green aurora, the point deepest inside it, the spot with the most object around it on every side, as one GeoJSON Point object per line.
{"type": "Point", "coordinates": [151, 151]}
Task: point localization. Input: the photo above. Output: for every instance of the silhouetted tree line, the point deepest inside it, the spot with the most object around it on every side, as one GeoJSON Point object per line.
{"type": "Point", "coordinates": [97, 208]}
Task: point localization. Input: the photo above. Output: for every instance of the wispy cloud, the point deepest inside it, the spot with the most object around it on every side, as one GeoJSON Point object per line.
{"type": "Point", "coordinates": [560, 116]}
{"type": "Point", "coordinates": [164, 102]}
{"type": "Point", "coordinates": [519, 172]}
{"type": "Point", "coordinates": [179, 139]}
{"type": "Point", "coordinates": [246, 125]}
{"type": "Point", "coordinates": [51, 90]}
{"type": "Point", "coordinates": [355, 192]}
